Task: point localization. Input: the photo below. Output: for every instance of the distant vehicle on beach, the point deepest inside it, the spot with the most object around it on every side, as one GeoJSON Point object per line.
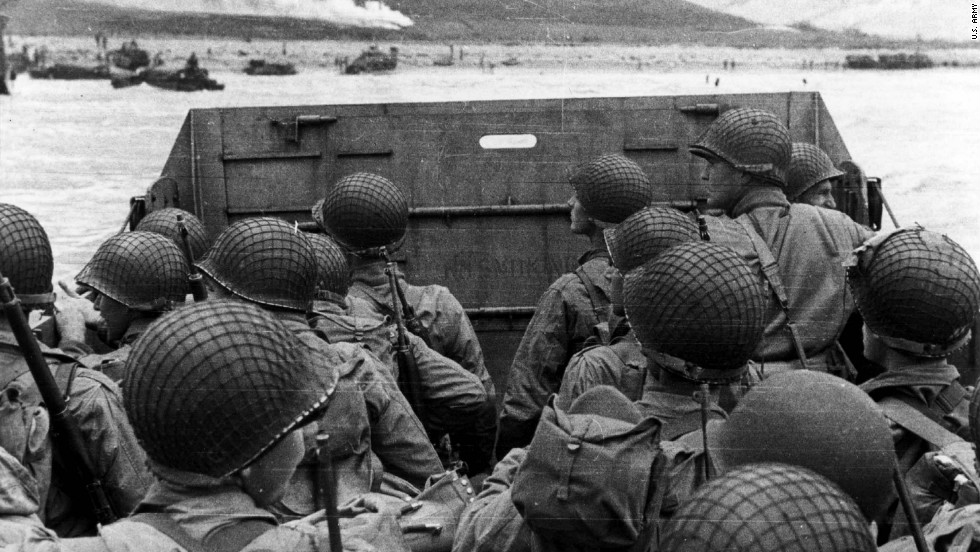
{"type": "Point", "coordinates": [262, 67]}
{"type": "Point", "coordinates": [373, 60]}
{"type": "Point", "coordinates": [889, 61]}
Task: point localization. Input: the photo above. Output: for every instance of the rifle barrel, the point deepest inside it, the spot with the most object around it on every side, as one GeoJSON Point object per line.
{"type": "Point", "coordinates": [194, 278]}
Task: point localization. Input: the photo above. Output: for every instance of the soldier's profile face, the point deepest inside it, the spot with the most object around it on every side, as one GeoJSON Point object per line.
{"type": "Point", "coordinates": [581, 223]}
{"type": "Point", "coordinates": [724, 184]}
{"type": "Point", "coordinates": [819, 195]}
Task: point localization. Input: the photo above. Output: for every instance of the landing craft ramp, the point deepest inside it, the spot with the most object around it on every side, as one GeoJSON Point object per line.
{"type": "Point", "coordinates": [487, 180]}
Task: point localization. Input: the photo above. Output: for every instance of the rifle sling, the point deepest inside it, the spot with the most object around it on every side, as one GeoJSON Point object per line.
{"type": "Point", "coordinates": [916, 421]}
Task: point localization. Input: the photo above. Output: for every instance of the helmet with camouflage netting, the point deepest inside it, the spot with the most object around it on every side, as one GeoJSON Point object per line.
{"type": "Point", "coordinates": [611, 188]}
{"type": "Point", "coordinates": [142, 270]}
{"type": "Point", "coordinates": [699, 309]}
{"type": "Point", "coordinates": [25, 255]}
{"type": "Point", "coordinates": [164, 222]}
{"type": "Point", "coordinates": [333, 270]}
{"type": "Point", "coordinates": [768, 508]}
{"type": "Point", "coordinates": [751, 140]}
{"type": "Point", "coordinates": [647, 233]}
{"type": "Point", "coordinates": [917, 290]}
{"type": "Point", "coordinates": [810, 166]}
{"type": "Point", "coordinates": [364, 210]}
{"type": "Point", "coordinates": [212, 386]}
{"type": "Point", "coordinates": [817, 421]}
{"type": "Point", "coordinates": [264, 260]}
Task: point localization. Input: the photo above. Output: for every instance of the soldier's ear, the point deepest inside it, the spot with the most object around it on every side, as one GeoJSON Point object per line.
{"type": "Point", "coordinates": [37, 432]}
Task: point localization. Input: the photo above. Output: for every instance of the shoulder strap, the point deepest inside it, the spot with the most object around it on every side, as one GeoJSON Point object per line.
{"type": "Point", "coordinates": [951, 396]}
{"type": "Point", "coordinates": [916, 421]}
{"type": "Point", "coordinates": [770, 270]}
{"type": "Point", "coordinates": [590, 288]}
{"type": "Point", "coordinates": [64, 376]}
{"type": "Point", "coordinates": [230, 538]}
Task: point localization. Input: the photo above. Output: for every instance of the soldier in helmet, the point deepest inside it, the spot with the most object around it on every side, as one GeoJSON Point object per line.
{"type": "Point", "coordinates": [698, 312]}
{"type": "Point", "coordinates": [138, 276]}
{"type": "Point", "coordinates": [219, 395]}
{"type": "Point", "coordinates": [442, 379]}
{"type": "Point", "coordinates": [620, 363]}
{"type": "Point", "coordinates": [164, 222]}
{"type": "Point", "coordinates": [919, 293]}
{"type": "Point", "coordinates": [25, 259]}
{"type": "Point", "coordinates": [811, 175]}
{"type": "Point", "coordinates": [365, 212]}
{"type": "Point", "coordinates": [798, 247]}
{"type": "Point", "coordinates": [768, 508]}
{"type": "Point", "coordinates": [266, 262]}
{"type": "Point", "coordinates": [607, 190]}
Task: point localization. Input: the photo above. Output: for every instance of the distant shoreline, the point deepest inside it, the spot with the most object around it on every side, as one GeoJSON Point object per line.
{"type": "Point", "coordinates": [224, 54]}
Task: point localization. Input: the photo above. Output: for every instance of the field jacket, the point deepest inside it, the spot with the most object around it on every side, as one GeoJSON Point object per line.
{"type": "Point", "coordinates": [450, 330]}
{"type": "Point", "coordinates": [809, 244]}
{"type": "Point", "coordinates": [95, 402]}
{"type": "Point", "coordinates": [368, 419]}
{"type": "Point", "coordinates": [563, 320]}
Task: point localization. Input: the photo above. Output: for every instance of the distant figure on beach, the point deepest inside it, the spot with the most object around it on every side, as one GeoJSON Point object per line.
{"type": "Point", "coordinates": [733, 65]}
{"type": "Point", "coordinates": [725, 64]}
{"type": "Point", "coordinates": [804, 81]}
{"type": "Point", "coordinates": [717, 81]}
{"type": "Point", "coordinates": [706, 79]}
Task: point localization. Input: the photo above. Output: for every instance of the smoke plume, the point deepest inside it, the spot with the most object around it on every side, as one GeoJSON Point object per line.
{"type": "Point", "coordinates": [342, 12]}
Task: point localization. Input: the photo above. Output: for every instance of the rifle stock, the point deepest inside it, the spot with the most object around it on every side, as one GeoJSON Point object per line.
{"type": "Point", "coordinates": [409, 378]}
{"type": "Point", "coordinates": [66, 433]}
{"type": "Point", "coordinates": [194, 278]}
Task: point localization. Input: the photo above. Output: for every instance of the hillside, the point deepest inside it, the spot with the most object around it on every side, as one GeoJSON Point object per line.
{"type": "Point", "coordinates": [908, 19]}
{"type": "Point", "coordinates": [649, 22]}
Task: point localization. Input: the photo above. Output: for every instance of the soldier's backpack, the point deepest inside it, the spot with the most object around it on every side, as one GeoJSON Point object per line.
{"type": "Point", "coordinates": [592, 480]}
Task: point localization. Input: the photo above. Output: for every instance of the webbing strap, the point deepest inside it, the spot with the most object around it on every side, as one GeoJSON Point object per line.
{"type": "Point", "coordinates": [914, 420]}
{"type": "Point", "coordinates": [590, 288]}
{"type": "Point", "coordinates": [770, 270]}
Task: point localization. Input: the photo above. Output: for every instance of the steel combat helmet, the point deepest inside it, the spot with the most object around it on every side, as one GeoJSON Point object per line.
{"type": "Point", "coordinates": [768, 508]}
{"type": "Point", "coordinates": [817, 421]}
{"type": "Point", "coordinates": [611, 187]}
{"type": "Point", "coordinates": [917, 290]}
{"type": "Point", "coordinates": [809, 166]}
{"type": "Point", "coordinates": [264, 260]}
{"type": "Point", "coordinates": [214, 385]}
{"type": "Point", "coordinates": [364, 210]}
{"type": "Point", "coordinates": [701, 303]}
{"type": "Point", "coordinates": [25, 255]}
{"type": "Point", "coordinates": [143, 270]}
{"type": "Point", "coordinates": [333, 270]}
{"type": "Point", "coordinates": [647, 233]}
{"type": "Point", "coordinates": [751, 140]}
{"type": "Point", "coordinates": [164, 222]}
